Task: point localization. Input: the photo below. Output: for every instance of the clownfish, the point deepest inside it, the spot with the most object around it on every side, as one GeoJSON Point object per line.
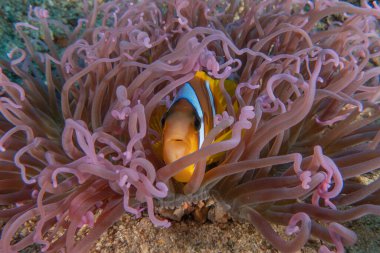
{"type": "Point", "coordinates": [189, 118]}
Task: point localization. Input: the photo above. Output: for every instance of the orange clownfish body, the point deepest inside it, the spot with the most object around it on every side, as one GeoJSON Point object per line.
{"type": "Point", "coordinates": [189, 118]}
{"type": "Point", "coordinates": [180, 136]}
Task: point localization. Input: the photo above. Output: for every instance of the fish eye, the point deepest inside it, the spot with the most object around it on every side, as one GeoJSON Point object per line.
{"type": "Point", "coordinates": [197, 122]}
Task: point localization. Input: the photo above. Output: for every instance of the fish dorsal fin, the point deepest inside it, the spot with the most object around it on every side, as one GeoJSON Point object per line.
{"type": "Point", "coordinates": [219, 100]}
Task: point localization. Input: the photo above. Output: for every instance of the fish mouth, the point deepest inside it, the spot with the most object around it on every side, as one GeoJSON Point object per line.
{"type": "Point", "coordinates": [178, 140]}
{"type": "Point", "coordinates": [176, 148]}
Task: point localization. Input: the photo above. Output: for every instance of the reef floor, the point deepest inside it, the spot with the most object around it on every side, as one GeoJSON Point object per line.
{"type": "Point", "coordinates": [131, 235]}
{"type": "Point", "coordinates": [139, 235]}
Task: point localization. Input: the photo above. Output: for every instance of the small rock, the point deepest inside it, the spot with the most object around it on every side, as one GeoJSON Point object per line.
{"type": "Point", "coordinates": [217, 214]}
{"type": "Point", "coordinates": [200, 214]}
{"type": "Point", "coordinates": [173, 214]}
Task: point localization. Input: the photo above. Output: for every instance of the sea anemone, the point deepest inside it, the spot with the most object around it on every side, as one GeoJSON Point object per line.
{"type": "Point", "coordinates": [78, 146]}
